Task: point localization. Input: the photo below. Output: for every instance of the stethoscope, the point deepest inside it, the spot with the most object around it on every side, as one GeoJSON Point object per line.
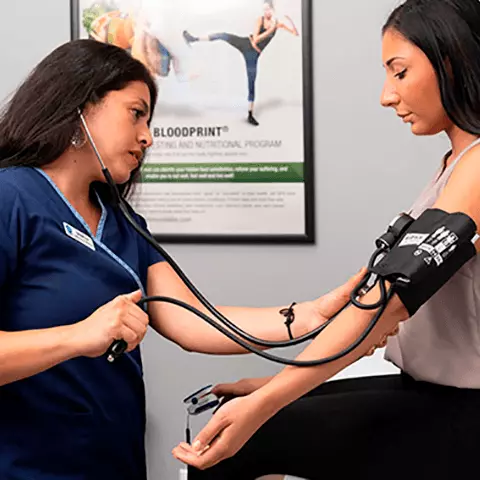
{"type": "Point", "coordinates": [368, 281]}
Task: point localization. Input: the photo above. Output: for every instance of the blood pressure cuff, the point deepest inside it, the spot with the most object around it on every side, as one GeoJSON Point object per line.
{"type": "Point", "coordinates": [430, 252]}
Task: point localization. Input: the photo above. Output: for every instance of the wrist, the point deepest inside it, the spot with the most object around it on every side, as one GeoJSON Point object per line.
{"type": "Point", "coordinates": [306, 318]}
{"type": "Point", "coordinates": [70, 338]}
{"type": "Point", "coordinates": [263, 403]}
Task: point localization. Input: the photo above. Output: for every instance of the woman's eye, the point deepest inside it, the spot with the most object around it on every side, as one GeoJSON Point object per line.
{"type": "Point", "coordinates": [401, 75]}
{"type": "Point", "coordinates": [137, 113]}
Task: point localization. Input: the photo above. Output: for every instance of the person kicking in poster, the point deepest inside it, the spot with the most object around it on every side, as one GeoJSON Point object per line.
{"type": "Point", "coordinates": [251, 47]}
{"type": "Point", "coordinates": [159, 32]}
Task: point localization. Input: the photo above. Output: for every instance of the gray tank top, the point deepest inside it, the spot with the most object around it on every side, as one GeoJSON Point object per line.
{"type": "Point", "coordinates": [441, 342]}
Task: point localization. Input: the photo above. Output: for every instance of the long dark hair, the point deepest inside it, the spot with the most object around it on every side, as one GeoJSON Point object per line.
{"type": "Point", "coordinates": [448, 32]}
{"type": "Point", "coordinates": [39, 122]}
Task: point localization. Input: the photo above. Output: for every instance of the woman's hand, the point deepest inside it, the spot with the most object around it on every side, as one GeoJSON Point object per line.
{"type": "Point", "coordinates": [225, 434]}
{"type": "Point", "coordinates": [311, 315]}
{"type": "Point", "coordinates": [326, 306]}
{"type": "Point", "coordinates": [243, 387]}
{"type": "Point", "coordinates": [254, 44]}
{"type": "Point", "coordinates": [119, 319]}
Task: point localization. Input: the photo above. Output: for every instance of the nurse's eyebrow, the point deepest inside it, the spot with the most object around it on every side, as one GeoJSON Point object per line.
{"type": "Point", "coordinates": [145, 106]}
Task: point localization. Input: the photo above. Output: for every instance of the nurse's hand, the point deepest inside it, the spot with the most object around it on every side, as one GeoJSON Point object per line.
{"type": "Point", "coordinates": [225, 434]}
{"type": "Point", "coordinates": [119, 319]}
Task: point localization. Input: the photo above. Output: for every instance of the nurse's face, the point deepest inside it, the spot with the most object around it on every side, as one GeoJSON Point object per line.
{"type": "Point", "coordinates": [120, 130]}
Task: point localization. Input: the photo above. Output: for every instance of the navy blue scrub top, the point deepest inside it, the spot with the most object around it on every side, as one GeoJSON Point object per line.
{"type": "Point", "coordinates": [85, 418]}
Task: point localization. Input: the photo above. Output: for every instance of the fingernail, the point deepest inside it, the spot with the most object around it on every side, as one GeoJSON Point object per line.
{"type": "Point", "coordinates": [201, 452]}
{"type": "Point", "coordinates": [197, 445]}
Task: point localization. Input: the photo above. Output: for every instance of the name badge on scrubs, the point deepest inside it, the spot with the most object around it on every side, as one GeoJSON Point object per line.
{"type": "Point", "coordinates": [79, 236]}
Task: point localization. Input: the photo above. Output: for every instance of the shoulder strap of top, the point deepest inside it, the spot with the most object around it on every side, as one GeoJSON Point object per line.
{"type": "Point", "coordinates": [464, 151]}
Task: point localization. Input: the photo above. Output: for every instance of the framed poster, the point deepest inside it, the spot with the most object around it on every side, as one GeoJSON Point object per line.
{"type": "Point", "coordinates": [232, 154]}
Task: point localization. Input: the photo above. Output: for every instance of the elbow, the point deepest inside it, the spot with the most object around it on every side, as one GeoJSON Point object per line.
{"type": "Point", "coordinates": [389, 327]}
{"type": "Point", "coordinates": [176, 336]}
{"type": "Point", "coordinates": [398, 309]}
{"type": "Point", "coordinates": [186, 348]}
{"type": "Point", "coordinates": [185, 343]}
{"type": "Point", "coordinates": [5, 379]}
{"type": "Point", "coordinates": [395, 314]}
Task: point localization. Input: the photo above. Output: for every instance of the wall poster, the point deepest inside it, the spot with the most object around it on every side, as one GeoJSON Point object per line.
{"type": "Point", "coordinates": [232, 158]}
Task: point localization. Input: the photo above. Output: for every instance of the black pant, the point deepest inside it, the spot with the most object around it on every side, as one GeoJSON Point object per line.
{"type": "Point", "coordinates": [251, 56]}
{"type": "Point", "coordinates": [385, 427]}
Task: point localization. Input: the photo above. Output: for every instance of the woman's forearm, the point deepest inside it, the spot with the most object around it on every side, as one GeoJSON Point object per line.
{"type": "Point", "coordinates": [289, 29]}
{"type": "Point", "coordinates": [293, 382]}
{"type": "Point", "coordinates": [292, 29]}
{"type": "Point", "coordinates": [23, 354]}
{"type": "Point", "coordinates": [264, 35]}
{"type": "Point", "coordinates": [254, 45]}
{"type": "Point", "coordinates": [265, 323]}
{"type": "Point", "coordinates": [193, 334]}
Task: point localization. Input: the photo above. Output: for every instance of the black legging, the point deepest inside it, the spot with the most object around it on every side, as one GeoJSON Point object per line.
{"type": "Point", "coordinates": [250, 55]}
{"type": "Point", "coordinates": [385, 427]}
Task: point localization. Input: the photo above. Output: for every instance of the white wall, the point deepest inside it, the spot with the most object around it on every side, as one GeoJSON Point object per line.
{"type": "Point", "coordinates": [368, 168]}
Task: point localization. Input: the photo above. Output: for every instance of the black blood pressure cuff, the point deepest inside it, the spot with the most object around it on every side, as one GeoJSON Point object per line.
{"type": "Point", "coordinates": [430, 252]}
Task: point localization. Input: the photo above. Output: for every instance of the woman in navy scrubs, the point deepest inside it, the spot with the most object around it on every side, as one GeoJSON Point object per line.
{"type": "Point", "coordinates": [72, 270]}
